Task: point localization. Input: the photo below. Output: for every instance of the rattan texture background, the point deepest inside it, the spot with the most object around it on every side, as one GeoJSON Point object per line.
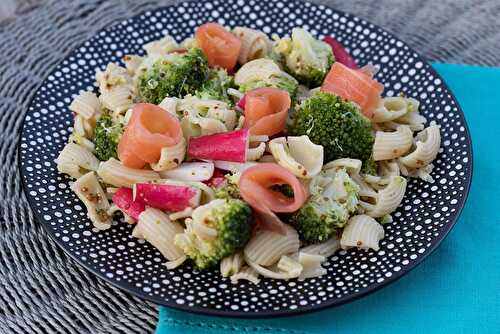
{"type": "Point", "coordinates": [44, 291]}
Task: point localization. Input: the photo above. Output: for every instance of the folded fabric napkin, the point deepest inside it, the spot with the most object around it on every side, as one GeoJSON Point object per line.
{"type": "Point", "coordinates": [455, 290]}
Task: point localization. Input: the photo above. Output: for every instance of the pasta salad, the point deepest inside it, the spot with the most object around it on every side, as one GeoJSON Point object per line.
{"type": "Point", "coordinates": [261, 156]}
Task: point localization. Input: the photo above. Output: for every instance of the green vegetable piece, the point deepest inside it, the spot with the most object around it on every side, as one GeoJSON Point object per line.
{"type": "Point", "coordinates": [106, 137]}
{"type": "Point", "coordinates": [175, 75]}
{"type": "Point", "coordinates": [335, 124]}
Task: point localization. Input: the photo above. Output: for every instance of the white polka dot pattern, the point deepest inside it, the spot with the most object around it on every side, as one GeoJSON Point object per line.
{"type": "Point", "coordinates": [422, 221]}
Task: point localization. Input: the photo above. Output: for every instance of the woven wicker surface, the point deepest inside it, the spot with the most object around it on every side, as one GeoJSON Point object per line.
{"type": "Point", "coordinates": [43, 290]}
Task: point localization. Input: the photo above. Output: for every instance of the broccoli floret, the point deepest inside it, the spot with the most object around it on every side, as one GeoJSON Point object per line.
{"type": "Point", "coordinates": [305, 57]}
{"type": "Point", "coordinates": [328, 209]}
{"type": "Point", "coordinates": [216, 86]}
{"type": "Point", "coordinates": [282, 81]}
{"type": "Point", "coordinates": [175, 75]}
{"type": "Point", "coordinates": [369, 166]}
{"type": "Point", "coordinates": [229, 189]}
{"type": "Point", "coordinates": [106, 137]}
{"type": "Point", "coordinates": [335, 124]}
{"type": "Point", "coordinates": [231, 219]}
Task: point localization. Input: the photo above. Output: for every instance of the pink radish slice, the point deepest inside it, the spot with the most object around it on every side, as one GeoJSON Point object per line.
{"type": "Point", "coordinates": [241, 103]}
{"type": "Point", "coordinates": [167, 197]}
{"type": "Point", "coordinates": [124, 199]}
{"type": "Point", "coordinates": [227, 146]}
{"type": "Point", "coordinates": [340, 53]}
{"type": "Point", "coordinates": [217, 179]}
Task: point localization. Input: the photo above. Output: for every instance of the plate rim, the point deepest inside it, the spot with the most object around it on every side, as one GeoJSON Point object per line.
{"type": "Point", "coordinates": [331, 303]}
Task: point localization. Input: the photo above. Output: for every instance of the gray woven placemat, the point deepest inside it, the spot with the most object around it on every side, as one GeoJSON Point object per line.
{"type": "Point", "coordinates": [42, 289]}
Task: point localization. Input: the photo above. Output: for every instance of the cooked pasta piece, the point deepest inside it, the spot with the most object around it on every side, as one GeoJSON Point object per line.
{"type": "Point", "coordinates": [311, 264]}
{"type": "Point", "coordinates": [254, 44]}
{"type": "Point", "coordinates": [389, 198]}
{"type": "Point", "coordinates": [161, 47]}
{"type": "Point", "coordinates": [390, 145]}
{"type": "Point", "coordinates": [170, 157]}
{"type": "Point", "coordinates": [256, 153]}
{"type": "Point", "coordinates": [428, 143]}
{"type": "Point", "coordinates": [210, 116]}
{"type": "Point", "coordinates": [389, 168]}
{"type": "Point", "coordinates": [80, 129]}
{"type": "Point", "coordinates": [351, 165]}
{"type": "Point", "coordinates": [132, 63]}
{"type": "Point", "coordinates": [232, 264]}
{"type": "Point", "coordinates": [76, 160]}
{"type": "Point", "coordinates": [263, 70]}
{"type": "Point", "coordinates": [117, 99]}
{"type": "Point", "coordinates": [266, 272]}
{"type": "Point", "coordinates": [325, 249]}
{"type": "Point", "coordinates": [155, 227]}
{"type": "Point", "coordinates": [187, 212]}
{"type": "Point", "coordinates": [247, 274]}
{"type": "Point", "coordinates": [169, 104]}
{"type": "Point", "coordinates": [290, 266]}
{"type": "Point", "coordinates": [190, 171]}
{"type": "Point", "coordinates": [390, 108]}
{"type": "Point", "coordinates": [82, 141]}
{"type": "Point", "coordinates": [412, 118]}
{"type": "Point", "coordinates": [112, 76]}
{"type": "Point", "coordinates": [298, 154]}
{"type": "Point", "coordinates": [175, 263]}
{"type": "Point", "coordinates": [118, 175]}
{"type": "Point", "coordinates": [241, 122]}
{"type": "Point", "coordinates": [363, 232]}
{"type": "Point", "coordinates": [266, 247]}
{"type": "Point", "coordinates": [90, 192]}
{"type": "Point", "coordinates": [86, 104]}
{"type": "Point", "coordinates": [365, 190]}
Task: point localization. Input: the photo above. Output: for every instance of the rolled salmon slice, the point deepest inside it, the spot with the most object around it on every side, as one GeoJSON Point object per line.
{"type": "Point", "coordinates": [220, 46]}
{"type": "Point", "coordinates": [255, 188]}
{"type": "Point", "coordinates": [266, 110]}
{"type": "Point", "coordinates": [149, 130]}
{"type": "Point", "coordinates": [353, 85]}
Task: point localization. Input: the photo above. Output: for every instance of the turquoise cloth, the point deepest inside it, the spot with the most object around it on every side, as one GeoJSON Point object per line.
{"type": "Point", "coordinates": [455, 290]}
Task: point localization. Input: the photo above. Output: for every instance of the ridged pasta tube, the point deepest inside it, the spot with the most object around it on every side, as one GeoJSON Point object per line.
{"type": "Point", "coordinates": [232, 264]}
{"type": "Point", "coordinates": [390, 145]}
{"type": "Point", "coordinates": [155, 227]}
{"type": "Point", "coordinates": [247, 274]}
{"type": "Point", "coordinates": [190, 171]}
{"type": "Point", "coordinates": [118, 175]}
{"type": "Point", "coordinates": [86, 104]}
{"type": "Point", "coordinates": [161, 47]}
{"type": "Point", "coordinates": [351, 165]}
{"type": "Point", "coordinates": [90, 192]}
{"type": "Point", "coordinates": [362, 232]}
{"type": "Point", "coordinates": [389, 198]}
{"type": "Point", "coordinates": [257, 69]}
{"type": "Point", "coordinates": [170, 157]}
{"type": "Point", "coordinates": [298, 154]}
{"type": "Point", "coordinates": [427, 145]}
{"type": "Point", "coordinates": [325, 249]}
{"type": "Point", "coordinates": [266, 247]}
{"type": "Point", "coordinates": [75, 160]}
{"type": "Point", "coordinates": [290, 266]}
{"type": "Point", "coordinates": [254, 44]}
{"type": "Point", "coordinates": [256, 153]}
{"type": "Point", "coordinates": [390, 108]}
{"type": "Point", "coordinates": [117, 99]}
{"type": "Point", "coordinates": [210, 116]}
{"type": "Point", "coordinates": [311, 264]}
{"type": "Point", "coordinates": [169, 104]}
{"type": "Point", "coordinates": [132, 63]}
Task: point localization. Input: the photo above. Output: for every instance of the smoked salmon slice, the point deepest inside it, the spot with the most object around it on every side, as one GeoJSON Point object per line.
{"type": "Point", "coordinates": [353, 85]}
{"type": "Point", "coordinates": [266, 111]}
{"type": "Point", "coordinates": [221, 47]}
{"type": "Point", "coordinates": [255, 188]}
{"type": "Point", "coordinates": [149, 130]}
